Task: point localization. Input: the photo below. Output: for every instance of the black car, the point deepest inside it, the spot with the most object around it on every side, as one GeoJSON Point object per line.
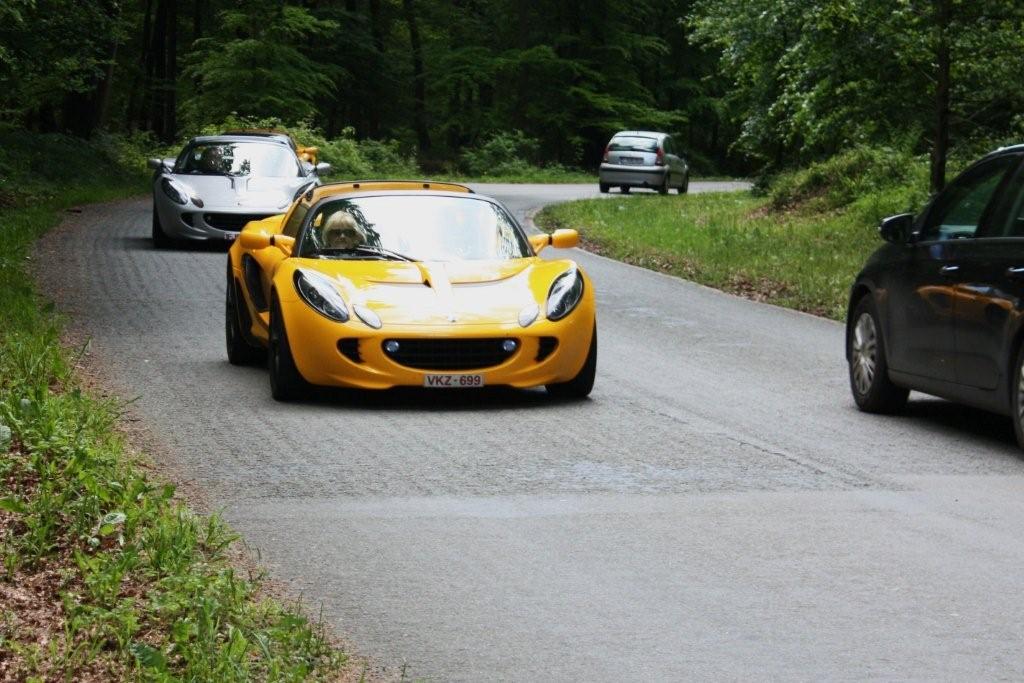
{"type": "Point", "coordinates": [938, 309]}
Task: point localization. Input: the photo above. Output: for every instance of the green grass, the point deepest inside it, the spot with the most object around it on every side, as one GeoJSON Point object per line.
{"type": "Point", "coordinates": [803, 258]}
{"type": "Point", "coordinates": [123, 582]}
{"type": "Point", "coordinates": [533, 175]}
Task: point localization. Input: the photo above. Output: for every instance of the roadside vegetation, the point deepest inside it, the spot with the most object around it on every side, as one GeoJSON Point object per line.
{"type": "Point", "coordinates": [103, 574]}
{"type": "Point", "coordinates": [799, 243]}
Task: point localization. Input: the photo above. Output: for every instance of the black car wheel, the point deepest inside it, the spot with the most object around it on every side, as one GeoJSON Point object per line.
{"type": "Point", "coordinates": [664, 186]}
{"type": "Point", "coordinates": [604, 187]}
{"type": "Point", "coordinates": [160, 238]}
{"type": "Point", "coordinates": [1017, 396]}
{"type": "Point", "coordinates": [625, 189]}
{"type": "Point", "coordinates": [582, 384]}
{"type": "Point", "coordinates": [872, 389]}
{"type": "Point", "coordinates": [285, 381]}
{"type": "Point", "coordinates": [684, 186]}
{"type": "Point", "coordinates": [240, 352]}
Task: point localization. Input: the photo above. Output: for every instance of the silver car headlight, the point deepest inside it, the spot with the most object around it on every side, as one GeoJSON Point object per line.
{"type": "Point", "coordinates": [174, 191]}
{"type": "Point", "coordinates": [565, 294]}
{"type": "Point", "coordinates": [319, 292]}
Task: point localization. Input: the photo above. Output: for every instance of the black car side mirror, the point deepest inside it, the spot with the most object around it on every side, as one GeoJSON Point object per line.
{"type": "Point", "coordinates": [897, 229]}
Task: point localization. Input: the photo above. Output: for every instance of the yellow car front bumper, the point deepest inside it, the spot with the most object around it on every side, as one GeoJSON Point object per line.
{"type": "Point", "coordinates": [352, 354]}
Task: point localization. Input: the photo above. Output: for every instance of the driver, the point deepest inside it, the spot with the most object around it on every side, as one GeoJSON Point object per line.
{"type": "Point", "coordinates": [212, 159]}
{"type": "Point", "coordinates": [341, 231]}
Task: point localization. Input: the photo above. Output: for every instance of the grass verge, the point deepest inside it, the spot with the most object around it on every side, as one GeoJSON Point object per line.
{"type": "Point", "coordinates": [800, 246]}
{"type": "Point", "coordinates": [104, 575]}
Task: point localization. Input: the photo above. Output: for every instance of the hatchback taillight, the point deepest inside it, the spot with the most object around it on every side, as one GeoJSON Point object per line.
{"type": "Point", "coordinates": [659, 158]}
{"type": "Point", "coordinates": [607, 148]}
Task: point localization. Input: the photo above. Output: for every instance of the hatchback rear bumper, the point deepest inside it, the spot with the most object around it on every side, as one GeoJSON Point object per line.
{"type": "Point", "coordinates": [633, 176]}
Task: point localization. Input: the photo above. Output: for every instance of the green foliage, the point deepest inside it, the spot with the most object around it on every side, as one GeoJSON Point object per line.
{"type": "Point", "coordinates": [261, 69]}
{"type": "Point", "coordinates": [144, 583]}
{"type": "Point", "coordinates": [503, 153]}
{"type": "Point", "coordinates": [845, 178]}
{"type": "Point", "coordinates": [810, 78]}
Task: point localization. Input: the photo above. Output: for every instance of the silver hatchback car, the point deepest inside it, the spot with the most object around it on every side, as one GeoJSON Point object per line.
{"type": "Point", "coordinates": [641, 158]}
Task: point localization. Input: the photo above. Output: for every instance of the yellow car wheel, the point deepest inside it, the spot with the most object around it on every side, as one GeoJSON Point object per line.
{"type": "Point", "coordinates": [582, 384]}
{"type": "Point", "coordinates": [285, 381]}
{"type": "Point", "coordinates": [240, 352]}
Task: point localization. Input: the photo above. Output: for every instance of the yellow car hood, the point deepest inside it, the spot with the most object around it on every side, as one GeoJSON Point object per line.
{"type": "Point", "coordinates": [440, 293]}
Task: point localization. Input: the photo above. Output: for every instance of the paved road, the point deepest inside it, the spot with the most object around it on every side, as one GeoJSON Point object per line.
{"type": "Point", "coordinates": [717, 509]}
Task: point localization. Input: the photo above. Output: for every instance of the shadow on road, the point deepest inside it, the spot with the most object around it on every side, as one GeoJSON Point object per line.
{"type": "Point", "coordinates": [139, 243]}
{"type": "Point", "coordinates": [959, 420]}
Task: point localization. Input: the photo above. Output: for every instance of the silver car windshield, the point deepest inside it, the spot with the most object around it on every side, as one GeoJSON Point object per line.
{"type": "Point", "coordinates": [631, 143]}
{"type": "Point", "coordinates": [414, 228]}
{"type": "Point", "coordinates": [239, 159]}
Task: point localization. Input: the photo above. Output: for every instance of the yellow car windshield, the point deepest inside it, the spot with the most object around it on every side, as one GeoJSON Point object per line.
{"type": "Point", "coordinates": [414, 227]}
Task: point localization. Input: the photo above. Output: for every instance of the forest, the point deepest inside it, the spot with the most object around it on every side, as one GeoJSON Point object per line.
{"type": "Point", "coordinates": [748, 85]}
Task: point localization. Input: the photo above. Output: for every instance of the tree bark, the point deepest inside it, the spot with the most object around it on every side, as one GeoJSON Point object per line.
{"type": "Point", "coordinates": [940, 147]}
{"type": "Point", "coordinates": [155, 112]}
{"type": "Point", "coordinates": [419, 80]}
{"type": "Point", "coordinates": [377, 31]}
{"type": "Point", "coordinates": [136, 114]}
{"type": "Point", "coordinates": [170, 127]}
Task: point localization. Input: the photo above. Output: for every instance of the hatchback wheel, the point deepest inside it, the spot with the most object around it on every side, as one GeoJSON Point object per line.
{"type": "Point", "coordinates": [1017, 397]}
{"type": "Point", "coordinates": [872, 389]}
{"type": "Point", "coordinates": [664, 186]}
{"type": "Point", "coordinates": [625, 189]}
{"type": "Point", "coordinates": [604, 187]}
{"type": "Point", "coordinates": [684, 186]}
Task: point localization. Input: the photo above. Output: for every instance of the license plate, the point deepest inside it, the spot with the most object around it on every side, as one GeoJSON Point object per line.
{"type": "Point", "coordinates": [453, 381]}
{"type": "Point", "coordinates": [632, 161]}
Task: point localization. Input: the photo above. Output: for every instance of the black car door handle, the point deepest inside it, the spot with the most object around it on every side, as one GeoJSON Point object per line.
{"type": "Point", "coordinates": [1015, 272]}
{"type": "Point", "coordinates": [949, 270]}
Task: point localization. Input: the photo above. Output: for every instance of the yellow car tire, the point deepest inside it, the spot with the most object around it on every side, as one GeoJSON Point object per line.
{"type": "Point", "coordinates": [286, 383]}
{"type": "Point", "coordinates": [240, 351]}
{"type": "Point", "coordinates": [580, 386]}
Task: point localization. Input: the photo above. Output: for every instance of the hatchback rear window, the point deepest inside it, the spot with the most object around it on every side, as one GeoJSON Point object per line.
{"type": "Point", "coordinates": [629, 143]}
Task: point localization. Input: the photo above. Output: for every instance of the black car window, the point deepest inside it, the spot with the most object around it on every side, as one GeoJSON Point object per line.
{"type": "Point", "coordinates": [1008, 215]}
{"type": "Point", "coordinates": [294, 223]}
{"type": "Point", "coordinates": [960, 209]}
{"type": "Point", "coordinates": [632, 143]}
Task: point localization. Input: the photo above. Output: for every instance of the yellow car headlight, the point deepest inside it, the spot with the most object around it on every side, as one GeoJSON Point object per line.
{"type": "Point", "coordinates": [319, 292]}
{"type": "Point", "coordinates": [565, 293]}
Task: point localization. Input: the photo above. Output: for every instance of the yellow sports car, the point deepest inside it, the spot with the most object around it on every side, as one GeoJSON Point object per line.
{"type": "Point", "coordinates": [380, 284]}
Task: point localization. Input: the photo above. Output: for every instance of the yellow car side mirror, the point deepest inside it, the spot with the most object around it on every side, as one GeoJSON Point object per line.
{"type": "Point", "coordinates": [284, 243]}
{"type": "Point", "coordinates": [254, 240]}
{"type": "Point", "coordinates": [559, 239]}
{"type": "Point", "coordinates": [261, 240]}
{"type": "Point", "coordinates": [565, 239]}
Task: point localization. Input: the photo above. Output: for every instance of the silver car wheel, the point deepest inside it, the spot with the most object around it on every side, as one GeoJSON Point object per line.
{"type": "Point", "coordinates": [864, 354]}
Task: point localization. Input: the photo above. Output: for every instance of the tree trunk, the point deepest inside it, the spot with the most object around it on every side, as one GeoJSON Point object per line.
{"type": "Point", "coordinates": [137, 96]}
{"type": "Point", "coordinates": [940, 147]}
{"type": "Point", "coordinates": [419, 81]}
{"type": "Point", "coordinates": [159, 68]}
{"type": "Point", "coordinates": [170, 127]}
{"type": "Point", "coordinates": [377, 30]}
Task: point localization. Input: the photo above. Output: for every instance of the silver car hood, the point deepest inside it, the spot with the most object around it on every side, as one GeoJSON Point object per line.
{"type": "Point", "coordinates": [243, 192]}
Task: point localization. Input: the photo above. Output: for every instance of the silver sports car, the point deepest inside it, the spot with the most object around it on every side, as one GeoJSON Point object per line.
{"type": "Point", "coordinates": [219, 183]}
